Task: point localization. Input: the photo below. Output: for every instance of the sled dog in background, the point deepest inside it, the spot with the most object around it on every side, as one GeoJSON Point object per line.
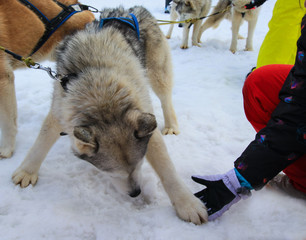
{"type": "Point", "coordinates": [236, 14]}
{"type": "Point", "coordinates": [103, 104]}
{"type": "Point", "coordinates": [187, 9]}
{"type": "Point", "coordinates": [20, 30]}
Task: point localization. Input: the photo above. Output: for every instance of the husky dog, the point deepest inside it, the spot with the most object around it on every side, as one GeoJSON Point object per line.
{"type": "Point", "coordinates": [188, 9]}
{"type": "Point", "coordinates": [236, 14]}
{"type": "Point", "coordinates": [103, 104]}
{"type": "Point", "coordinates": [20, 30]}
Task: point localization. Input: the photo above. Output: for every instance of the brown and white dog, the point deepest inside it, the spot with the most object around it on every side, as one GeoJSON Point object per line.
{"type": "Point", "coordinates": [20, 30]}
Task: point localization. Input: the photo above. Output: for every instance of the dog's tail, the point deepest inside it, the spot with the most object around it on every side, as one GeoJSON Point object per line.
{"type": "Point", "coordinates": [219, 12]}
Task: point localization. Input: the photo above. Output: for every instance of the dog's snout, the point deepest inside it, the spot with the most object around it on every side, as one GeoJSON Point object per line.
{"type": "Point", "coordinates": [135, 192]}
{"type": "Point", "coordinates": [180, 25]}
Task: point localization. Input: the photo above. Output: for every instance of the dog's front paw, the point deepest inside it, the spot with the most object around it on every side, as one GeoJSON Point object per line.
{"type": "Point", "coordinates": [248, 49]}
{"type": "Point", "coordinates": [6, 152]}
{"type": "Point", "coordinates": [196, 44]}
{"type": "Point", "coordinates": [233, 50]}
{"type": "Point", "coordinates": [184, 46]}
{"type": "Point", "coordinates": [240, 37]}
{"type": "Point", "coordinates": [192, 210]}
{"type": "Point", "coordinates": [24, 178]}
{"type": "Point", "coordinates": [170, 131]}
{"type": "Point", "coordinates": [168, 36]}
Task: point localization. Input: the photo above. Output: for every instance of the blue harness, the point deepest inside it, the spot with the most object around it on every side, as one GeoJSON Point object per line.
{"type": "Point", "coordinates": [131, 22]}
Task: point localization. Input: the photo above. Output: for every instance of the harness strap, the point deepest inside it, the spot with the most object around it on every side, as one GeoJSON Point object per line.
{"type": "Point", "coordinates": [77, 6]}
{"type": "Point", "coordinates": [131, 22]}
{"type": "Point", "coordinates": [40, 15]}
{"type": "Point", "coordinates": [51, 25]}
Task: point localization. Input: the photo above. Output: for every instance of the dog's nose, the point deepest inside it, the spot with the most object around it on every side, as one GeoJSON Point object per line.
{"type": "Point", "coordinates": [180, 25]}
{"type": "Point", "coordinates": [135, 193]}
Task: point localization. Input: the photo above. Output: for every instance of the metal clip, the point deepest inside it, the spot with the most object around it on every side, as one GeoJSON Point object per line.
{"type": "Point", "coordinates": [51, 73]}
{"type": "Point", "coordinates": [89, 8]}
{"type": "Point", "coordinates": [76, 7]}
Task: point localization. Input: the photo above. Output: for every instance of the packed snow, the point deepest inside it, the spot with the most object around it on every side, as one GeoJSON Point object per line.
{"type": "Point", "coordinates": [73, 200]}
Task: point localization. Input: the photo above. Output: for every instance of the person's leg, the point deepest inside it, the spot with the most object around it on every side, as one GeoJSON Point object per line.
{"type": "Point", "coordinates": [296, 173]}
{"type": "Point", "coordinates": [283, 183]}
{"type": "Point", "coordinates": [260, 94]}
{"type": "Point", "coordinates": [167, 3]}
{"type": "Point", "coordinates": [167, 6]}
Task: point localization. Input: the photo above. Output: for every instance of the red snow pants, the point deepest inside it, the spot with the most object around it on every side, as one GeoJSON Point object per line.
{"type": "Point", "coordinates": [260, 94]}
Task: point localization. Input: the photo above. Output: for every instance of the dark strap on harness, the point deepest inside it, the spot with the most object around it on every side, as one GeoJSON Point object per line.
{"type": "Point", "coordinates": [131, 22]}
{"type": "Point", "coordinates": [51, 25]}
{"type": "Point", "coordinates": [41, 16]}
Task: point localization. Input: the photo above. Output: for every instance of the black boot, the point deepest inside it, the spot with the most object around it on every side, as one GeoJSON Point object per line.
{"type": "Point", "coordinates": [167, 6]}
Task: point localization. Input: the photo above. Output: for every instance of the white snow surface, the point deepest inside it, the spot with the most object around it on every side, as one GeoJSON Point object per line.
{"type": "Point", "coordinates": [74, 201]}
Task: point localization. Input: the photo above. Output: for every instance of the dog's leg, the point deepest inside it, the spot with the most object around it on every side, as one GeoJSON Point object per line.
{"type": "Point", "coordinates": [212, 21]}
{"type": "Point", "coordinates": [240, 36]}
{"type": "Point", "coordinates": [27, 173]}
{"type": "Point", "coordinates": [187, 206]}
{"type": "Point", "coordinates": [205, 26]}
{"type": "Point", "coordinates": [159, 69]}
{"type": "Point", "coordinates": [184, 44]}
{"type": "Point", "coordinates": [8, 111]}
{"type": "Point", "coordinates": [173, 17]}
{"type": "Point", "coordinates": [251, 29]}
{"type": "Point", "coordinates": [196, 30]}
{"type": "Point", "coordinates": [236, 22]}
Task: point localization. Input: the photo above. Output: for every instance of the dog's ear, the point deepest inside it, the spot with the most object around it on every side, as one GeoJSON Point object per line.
{"type": "Point", "coordinates": [143, 123]}
{"type": "Point", "coordinates": [146, 124]}
{"type": "Point", "coordinates": [189, 4]}
{"type": "Point", "coordinates": [84, 140]}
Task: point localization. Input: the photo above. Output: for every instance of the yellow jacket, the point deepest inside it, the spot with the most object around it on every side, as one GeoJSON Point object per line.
{"type": "Point", "coordinates": [279, 45]}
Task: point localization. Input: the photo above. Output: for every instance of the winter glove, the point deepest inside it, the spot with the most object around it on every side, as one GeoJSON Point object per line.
{"type": "Point", "coordinates": [254, 3]}
{"type": "Point", "coordinates": [221, 193]}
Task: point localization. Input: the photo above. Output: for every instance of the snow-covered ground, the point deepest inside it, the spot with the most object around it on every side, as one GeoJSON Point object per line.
{"type": "Point", "coordinates": [73, 200]}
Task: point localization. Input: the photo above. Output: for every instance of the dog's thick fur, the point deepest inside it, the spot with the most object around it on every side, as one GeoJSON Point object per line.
{"type": "Point", "coordinates": [20, 30]}
{"type": "Point", "coordinates": [107, 112]}
{"type": "Point", "coordinates": [236, 15]}
{"type": "Point", "coordinates": [187, 9]}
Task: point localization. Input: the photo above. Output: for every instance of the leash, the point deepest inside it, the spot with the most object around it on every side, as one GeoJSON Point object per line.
{"type": "Point", "coordinates": [28, 61]}
{"type": "Point", "coordinates": [31, 64]}
{"type": "Point", "coordinates": [193, 20]}
{"type": "Point", "coordinates": [165, 22]}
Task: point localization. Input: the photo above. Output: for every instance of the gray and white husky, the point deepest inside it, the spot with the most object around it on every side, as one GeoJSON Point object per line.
{"type": "Point", "coordinates": [103, 105]}
{"type": "Point", "coordinates": [188, 9]}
